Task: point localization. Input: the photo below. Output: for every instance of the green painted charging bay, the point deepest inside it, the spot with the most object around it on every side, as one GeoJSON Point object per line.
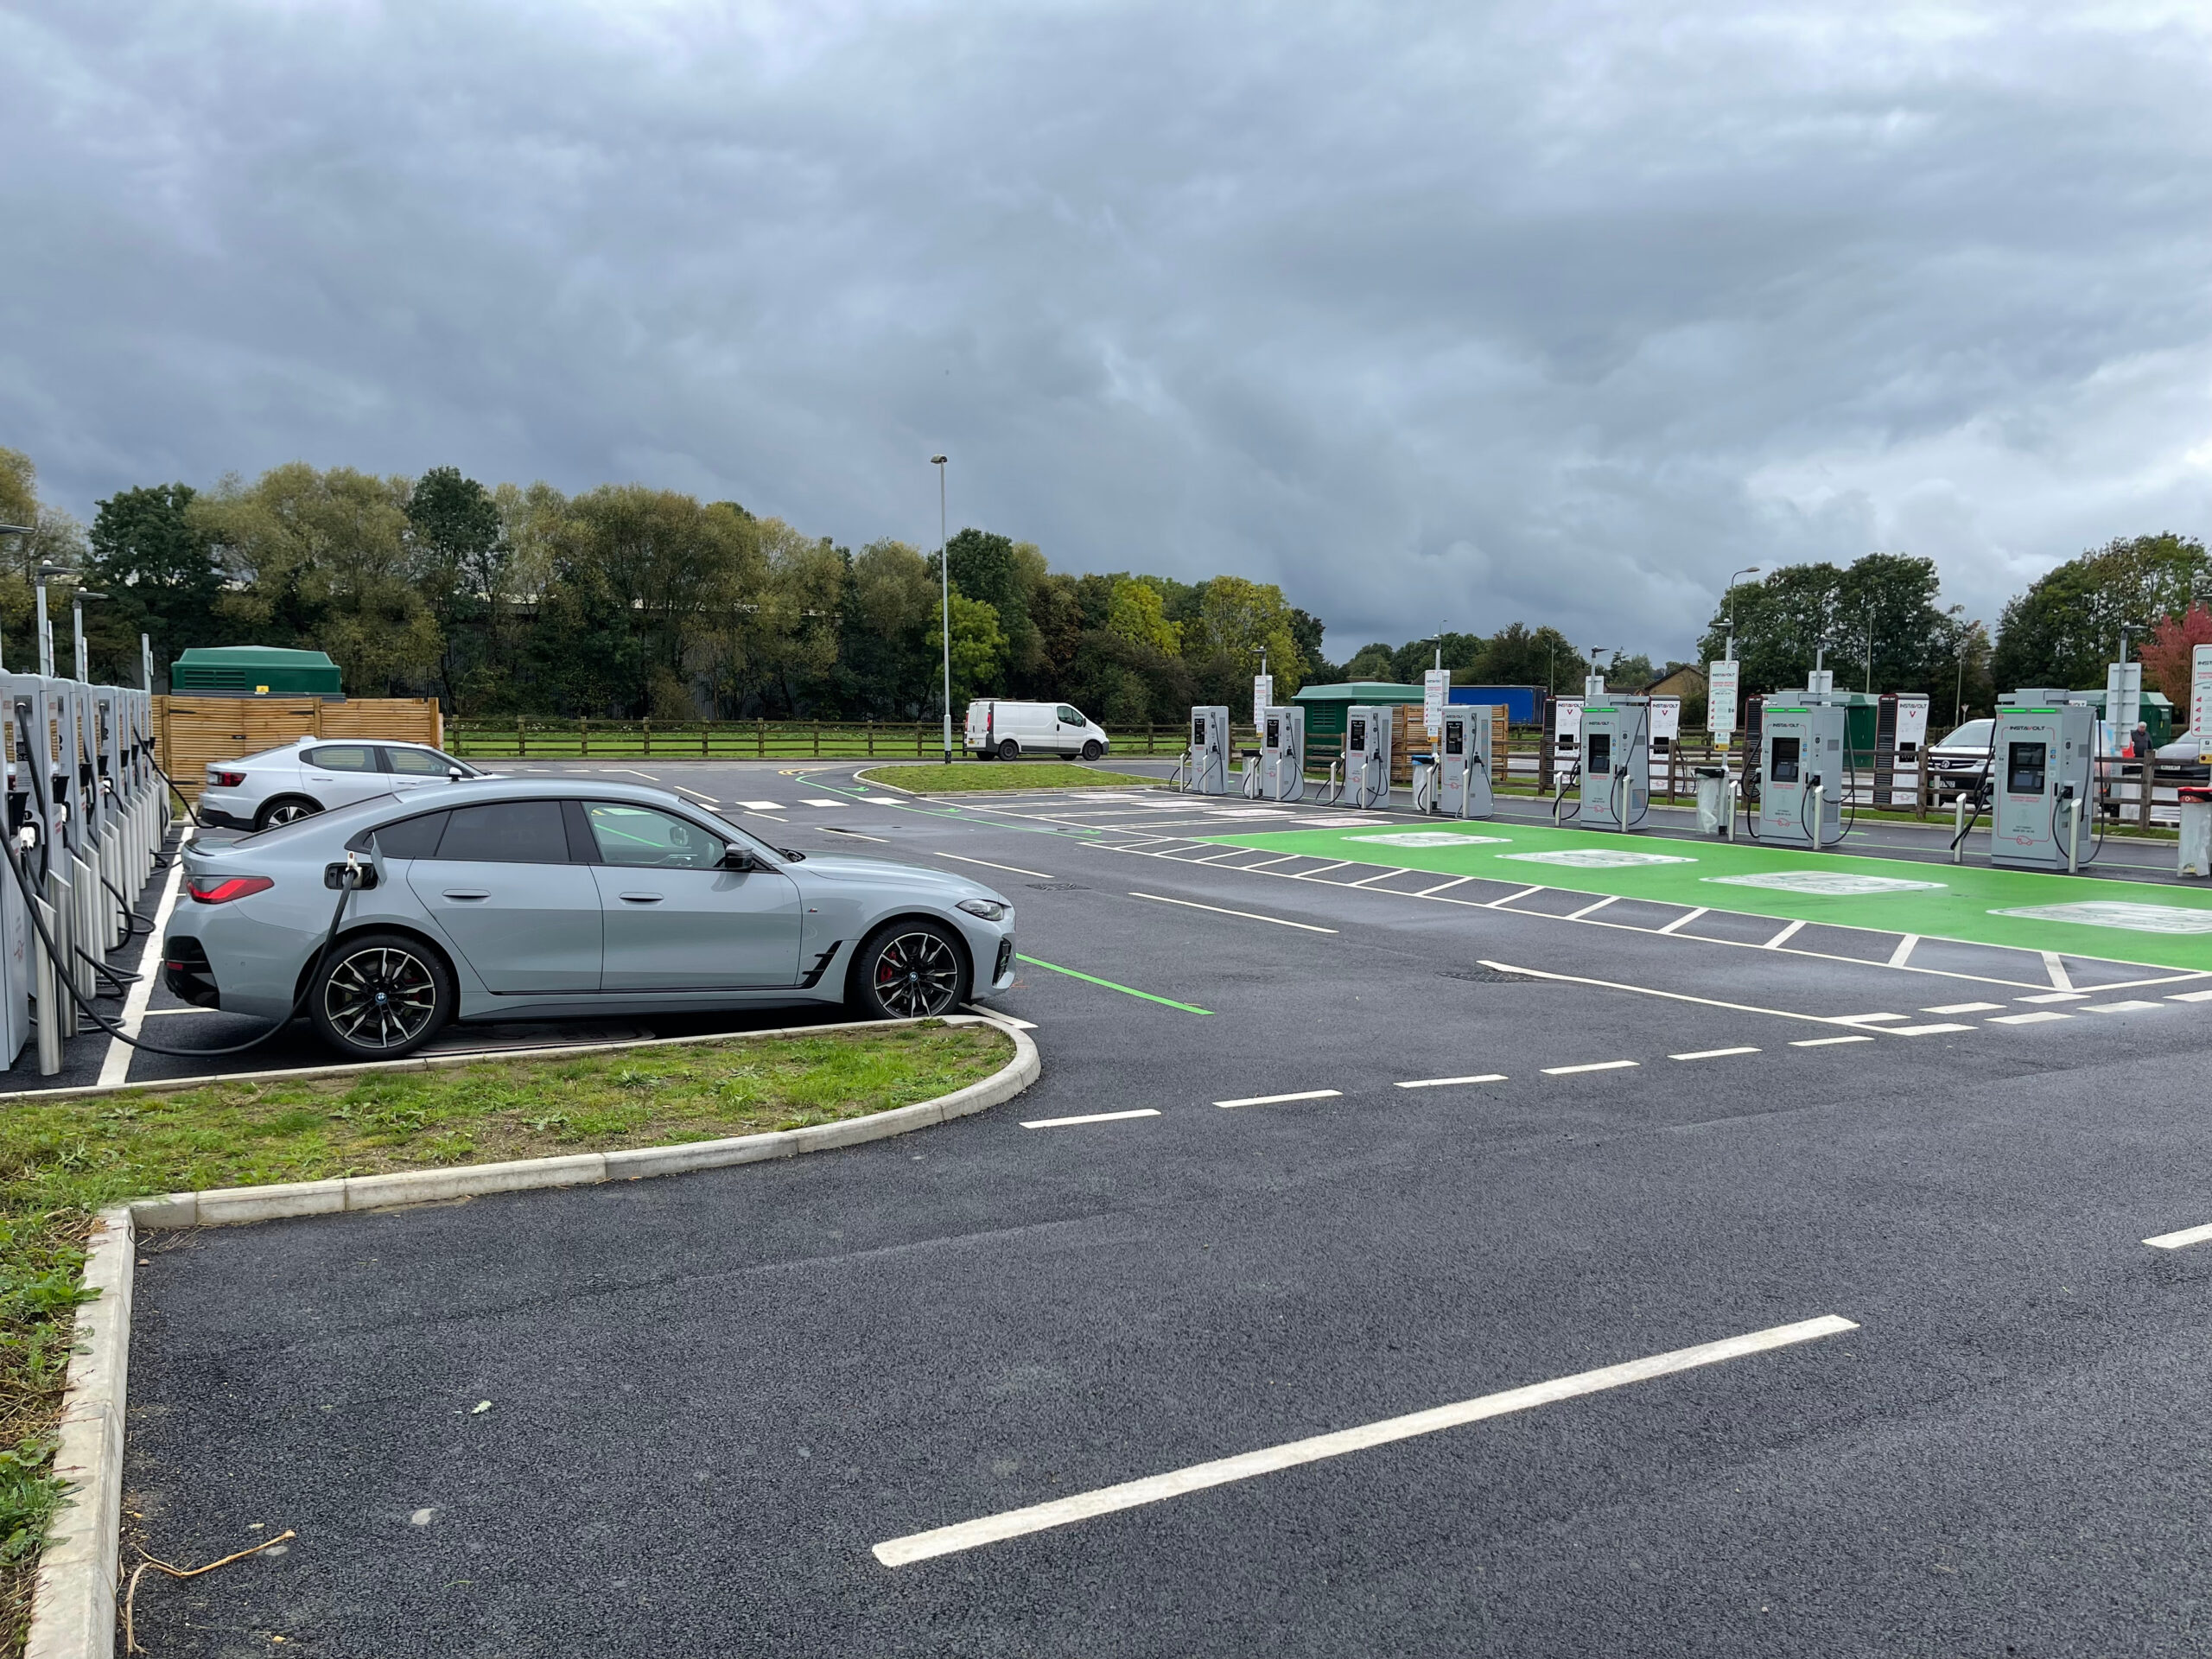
{"type": "Point", "coordinates": [2081, 916]}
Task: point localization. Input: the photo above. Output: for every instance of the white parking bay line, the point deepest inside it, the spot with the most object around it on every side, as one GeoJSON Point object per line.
{"type": "Point", "coordinates": [1088, 1117]}
{"type": "Point", "coordinates": [2118, 1007]}
{"type": "Point", "coordinates": [1965, 1007]}
{"type": "Point", "coordinates": [809, 801]}
{"type": "Point", "coordinates": [1924, 1030]}
{"type": "Point", "coordinates": [1713, 1053]}
{"type": "Point", "coordinates": [2181, 1240]}
{"type": "Point", "coordinates": [762, 806]}
{"type": "Point", "coordinates": [2055, 996]}
{"type": "Point", "coordinates": [1134, 1494]}
{"type": "Point", "coordinates": [1249, 916]}
{"type": "Point", "coordinates": [1042, 875]}
{"type": "Point", "coordinates": [2191, 996]}
{"type": "Point", "coordinates": [1867, 1018]}
{"type": "Point", "coordinates": [1827, 1042]}
{"type": "Point", "coordinates": [1594, 1065]}
{"type": "Point", "coordinates": [1277, 1100]}
{"type": "Point", "coordinates": [2035, 1019]}
{"type": "Point", "coordinates": [1448, 1082]}
{"type": "Point", "coordinates": [1785, 937]}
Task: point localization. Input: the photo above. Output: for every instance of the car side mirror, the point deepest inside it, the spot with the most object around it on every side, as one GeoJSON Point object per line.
{"type": "Point", "coordinates": [739, 858]}
{"type": "Point", "coordinates": [454, 774]}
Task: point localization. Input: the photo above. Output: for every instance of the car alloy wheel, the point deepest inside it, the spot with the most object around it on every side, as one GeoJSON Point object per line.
{"type": "Point", "coordinates": [286, 812]}
{"type": "Point", "coordinates": [380, 998]}
{"type": "Point", "coordinates": [916, 974]}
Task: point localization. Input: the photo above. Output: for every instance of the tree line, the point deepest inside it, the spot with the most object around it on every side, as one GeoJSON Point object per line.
{"type": "Point", "coordinates": [626, 600]}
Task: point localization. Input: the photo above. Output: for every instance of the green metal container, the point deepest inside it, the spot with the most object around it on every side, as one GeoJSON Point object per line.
{"type": "Point", "coordinates": [254, 671]}
{"type": "Point", "coordinates": [1325, 705]}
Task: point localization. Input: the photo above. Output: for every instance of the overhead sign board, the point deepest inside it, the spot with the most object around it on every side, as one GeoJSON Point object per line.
{"type": "Point", "coordinates": [2123, 698]}
{"type": "Point", "coordinates": [2200, 694]}
{"type": "Point", "coordinates": [1721, 680]}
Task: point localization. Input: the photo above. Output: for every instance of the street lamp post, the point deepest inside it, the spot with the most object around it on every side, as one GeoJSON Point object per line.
{"type": "Point", "coordinates": [944, 602]}
{"type": "Point", "coordinates": [46, 574]}
{"type": "Point", "coordinates": [1748, 570]}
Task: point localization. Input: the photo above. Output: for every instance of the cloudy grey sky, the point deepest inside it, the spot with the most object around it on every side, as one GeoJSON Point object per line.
{"type": "Point", "coordinates": [1439, 315]}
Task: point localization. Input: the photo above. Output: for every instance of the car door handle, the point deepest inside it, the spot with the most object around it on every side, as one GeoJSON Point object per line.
{"type": "Point", "coordinates": [641, 897]}
{"type": "Point", "coordinates": [467, 893]}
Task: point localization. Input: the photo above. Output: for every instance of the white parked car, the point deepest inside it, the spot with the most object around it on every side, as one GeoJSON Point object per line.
{"type": "Point", "coordinates": [999, 729]}
{"type": "Point", "coordinates": [316, 774]}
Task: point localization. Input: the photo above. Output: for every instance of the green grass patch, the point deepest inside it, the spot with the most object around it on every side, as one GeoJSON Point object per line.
{"type": "Point", "coordinates": [61, 1161]}
{"type": "Point", "coordinates": [964, 777]}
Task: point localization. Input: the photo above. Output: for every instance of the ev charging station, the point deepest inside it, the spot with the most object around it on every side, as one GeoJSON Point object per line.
{"type": "Point", "coordinates": [1209, 759]}
{"type": "Point", "coordinates": [1367, 756]}
{"type": "Point", "coordinates": [2044, 788]}
{"type": "Point", "coordinates": [1463, 763]}
{"type": "Point", "coordinates": [1803, 770]}
{"type": "Point", "coordinates": [1616, 787]}
{"type": "Point", "coordinates": [1283, 755]}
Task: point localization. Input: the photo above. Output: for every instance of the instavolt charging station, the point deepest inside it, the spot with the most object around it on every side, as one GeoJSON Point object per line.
{"type": "Point", "coordinates": [2043, 784]}
{"type": "Point", "coordinates": [1614, 791]}
{"type": "Point", "coordinates": [1283, 755]}
{"type": "Point", "coordinates": [1802, 766]}
{"type": "Point", "coordinates": [1208, 761]}
{"type": "Point", "coordinates": [1367, 756]}
{"type": "Point", "coordinates": [1462, 760]}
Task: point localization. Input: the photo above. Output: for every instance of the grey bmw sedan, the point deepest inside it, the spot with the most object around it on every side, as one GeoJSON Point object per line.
{"type": "Point", "coordinates": [502, 898]}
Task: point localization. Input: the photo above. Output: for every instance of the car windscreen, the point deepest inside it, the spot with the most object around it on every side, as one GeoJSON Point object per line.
{"type": "Point", "coordinates": [340, 819]}
{"type": "Point", "coordinates": [1975, 734]}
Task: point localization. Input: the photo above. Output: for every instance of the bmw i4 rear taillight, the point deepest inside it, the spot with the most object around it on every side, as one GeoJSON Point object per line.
{"type": "Point", "coordinates": [221, 889]}
{"type": "Point", "coordinates": [225, 779]}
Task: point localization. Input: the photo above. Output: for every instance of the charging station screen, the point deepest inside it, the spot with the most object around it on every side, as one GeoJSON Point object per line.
{"type": "Point", "coordinates": [1454, 738]}
{"type": "Point", "coordinates": [1197, 731]}
{"type": "Point", "coordinates": [1359, 736]}
{"type": "Point", "coordinates": [2024, 768]}
{"type": "Point", "coordinates": [1274, 734]}
{"type": "Point", "coordinates": [1785, 759]}
{"type": "Point", "coordinates": [1601, 752]}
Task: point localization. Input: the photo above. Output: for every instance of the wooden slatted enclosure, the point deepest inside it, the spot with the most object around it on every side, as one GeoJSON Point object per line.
{"type": "Point", "coordinates": [1409, 737]}
{"type": "Point", "coordinates": [191, 733]}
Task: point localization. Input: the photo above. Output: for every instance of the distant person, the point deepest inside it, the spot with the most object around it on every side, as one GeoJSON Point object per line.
{"type": "Point", "coordinates": [2138, 740]}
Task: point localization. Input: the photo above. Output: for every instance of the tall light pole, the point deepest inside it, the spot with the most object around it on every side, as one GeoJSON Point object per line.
{"type": "Point", "coordinates": [46, 574]}
{"type": "Point", "coordinates": [944, 602]}
{"type": "Point", "coordinates": [1748, 570]}
{"type": "Point", "coordinates": [77, 615]}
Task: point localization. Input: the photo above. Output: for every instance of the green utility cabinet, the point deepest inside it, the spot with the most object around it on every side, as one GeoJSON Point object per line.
{"type": "Point", "coordinates": [254, 671]}
{"type": "Point", "coordinates": [1325, 705]}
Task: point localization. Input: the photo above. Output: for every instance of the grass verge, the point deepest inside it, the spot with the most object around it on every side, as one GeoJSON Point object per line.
{"type": "Point", "coordinates": [967, 776]}
{"type": "Point", "coordinates": [62, 1161]}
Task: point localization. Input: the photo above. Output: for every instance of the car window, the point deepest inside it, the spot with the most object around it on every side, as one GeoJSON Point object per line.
{"type": "Point", "coordinates": [638, 836]}
{"type": "Point", "coordinates": [412, 837]}
{"type": "Point", "coordinates": [506, 832]}
{"type": "Point", "coordinates": [343, 757]}
{"type": "Point", "coordinates": [1975, 734]}
{"type": "Point", "coordinates": [1070, 716]}
{"type": "Point", "coordinates": [418, 763]}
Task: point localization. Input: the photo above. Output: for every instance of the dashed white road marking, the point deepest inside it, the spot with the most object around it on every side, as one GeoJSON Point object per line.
{"type": "Point", "coordinates": [1458, 880]}
{"type": "Point", "coordinates": [1042, 875]}
{"type": "Point", "coordinates": [1500, 903]}
{"type": "Point", "coordinates": [1591, 910]}
{"type": "Point", "coordinates": [1965, 1007]}
{"type": "Point", "coordinates": [2181, 1240]}
{"type": "Point", "coordinates": [762, 806]}
{"type": "Point", "coordinates": [1087, 1117]}
{"type": "Point", "coordinates": [1277, 1100]}
{"type": "Point", "coordinates": [1868, 1018]}
{"type": "Point", "coordinates": [1450, 1083]}
{"type": "Point", "coordinates": [2191, 996]}
{"type": "Point", "coordinates": [808, 800]}
{"type": "Point", "coordinates": [1924, 1030]}
{"type": "Point", "coordinates": [1593, 1065]}
{"type": "Point", "coordinates": [1712, 1053]}
{"type": "Point", "coordinates": [2118, 1007]}
{"type": "Point", "coordinates": [1826, 1042]}
{"type": "Point", "coordinates": [1783, 938]}
{"type": "Point", "coordinates": [2035, 1019]}
{"type": "Point", "coordinates": [1340, 864]}
{"type": "Point", "coordinates": [1249, 915]}
{"type": "Point", "coordinates": [2055, 996]}
{"type": "Point", "coordinates": [1154, 1488]}
{"type": "Point", "coordinates": [1685, 920]}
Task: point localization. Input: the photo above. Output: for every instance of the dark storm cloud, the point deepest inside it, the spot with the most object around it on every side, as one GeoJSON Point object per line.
{"type": "Point", "coordinates": [1439, 316]}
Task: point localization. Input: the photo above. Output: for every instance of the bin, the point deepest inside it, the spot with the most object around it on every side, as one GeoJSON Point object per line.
{"type": "Point", "coordinates": [2195, 831]}
{"type": "Point", "coordinates": [1712, 809]}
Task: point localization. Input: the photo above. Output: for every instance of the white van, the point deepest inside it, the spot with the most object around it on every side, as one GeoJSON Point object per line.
{"type": "Point", "coordinates": [1006, 731]}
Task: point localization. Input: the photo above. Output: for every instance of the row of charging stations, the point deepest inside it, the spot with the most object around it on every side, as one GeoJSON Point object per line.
{"type": "Point", "coordinates": [88, 812]}
{"type": "Point", "coordinates": [1361, 778]}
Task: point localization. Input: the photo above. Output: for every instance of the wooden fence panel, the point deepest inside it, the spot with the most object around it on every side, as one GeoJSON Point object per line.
{"type": "Point", "coordinates": [191, 734]}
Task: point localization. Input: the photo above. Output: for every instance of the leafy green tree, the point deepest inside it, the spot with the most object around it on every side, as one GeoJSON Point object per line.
{"type": "Point", "coordinates": [1236, 621]}
{"type": "Point", "coordinates": [979, 647]}
{"type": "Point", "coordinates": [891, 604]}
{"type": "Point", "coordinates": [1137, 614]}
{"type": "Point", "coordinates": [2065, 628]}
{"type": "Point", "coordinates": [159, 573]}
{"type": "Point", "coordinates": [1786, 617]}
{"type": "Point", "coordinates": [55, 538]}
{"type": "Point", "coordinates": [993, 569]}
{"type": "Point", "coordinates": [453, 540]}
{"type": "Point", "coordinates": [1373, 662]}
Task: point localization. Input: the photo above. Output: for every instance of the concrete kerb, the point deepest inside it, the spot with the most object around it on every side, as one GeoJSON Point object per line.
{"type": "Point", "coordinates": [74, 1605]}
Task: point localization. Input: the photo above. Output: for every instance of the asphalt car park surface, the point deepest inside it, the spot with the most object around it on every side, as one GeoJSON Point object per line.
{"type": "Point", "coordinates": [1232, 1227]}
